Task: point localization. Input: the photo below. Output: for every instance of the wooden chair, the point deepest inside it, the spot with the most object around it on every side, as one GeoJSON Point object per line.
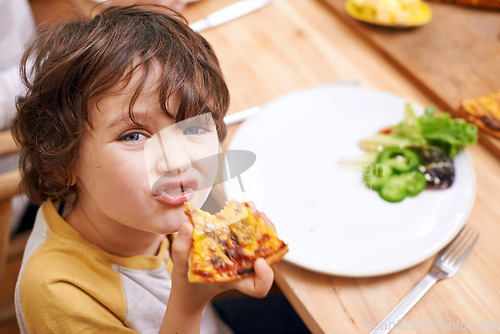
{"type": "Point", "coordinates": [11, 249]}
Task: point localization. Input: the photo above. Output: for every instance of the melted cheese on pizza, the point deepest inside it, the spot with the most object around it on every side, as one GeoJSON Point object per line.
{"type": "Point", "coordinates": [226, 245]}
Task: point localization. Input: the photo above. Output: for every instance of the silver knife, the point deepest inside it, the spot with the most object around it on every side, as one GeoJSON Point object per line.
{"type": "Point", "coordinates": [240, 116]}
{"type": "Point", "coordinates": [231, 12]}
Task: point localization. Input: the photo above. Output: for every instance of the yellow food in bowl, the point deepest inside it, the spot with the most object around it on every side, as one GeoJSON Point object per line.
{"type": "Point", "coordinates": [390, 12]}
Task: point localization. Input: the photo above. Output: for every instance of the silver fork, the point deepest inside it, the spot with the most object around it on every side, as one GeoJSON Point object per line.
{"type": "Point", "coordinates": [447, 263]}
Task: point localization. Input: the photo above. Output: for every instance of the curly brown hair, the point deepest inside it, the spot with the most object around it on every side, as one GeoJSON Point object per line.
{"type": "Point", "coordinates": [69, 66]}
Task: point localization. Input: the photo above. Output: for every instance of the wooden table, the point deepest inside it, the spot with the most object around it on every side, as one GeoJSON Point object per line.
{"type": "Point", "coordinates": [454, 58]}
{"type": "Point", "coordinates": [295, 44]}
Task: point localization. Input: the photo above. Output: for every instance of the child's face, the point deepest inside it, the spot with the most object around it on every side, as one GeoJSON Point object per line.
{"type": "Point", "coordinates": [138, 177]}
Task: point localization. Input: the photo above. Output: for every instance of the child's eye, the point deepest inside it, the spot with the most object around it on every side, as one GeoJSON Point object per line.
{"type": "Point", "coordinates": [194, 130]}
{"type": "Point", "coordinates": [134, 136]}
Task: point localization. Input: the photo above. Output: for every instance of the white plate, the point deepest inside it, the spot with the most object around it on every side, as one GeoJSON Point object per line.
{"type": "Point", "coordinates": [332, 223]}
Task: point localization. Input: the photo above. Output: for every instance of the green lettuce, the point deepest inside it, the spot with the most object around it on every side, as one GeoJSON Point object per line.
{"type": "Point", "coordinates": [452, 135]}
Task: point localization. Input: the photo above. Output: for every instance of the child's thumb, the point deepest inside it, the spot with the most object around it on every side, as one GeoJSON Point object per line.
{"type": "Point", "coordinates": [181, 245]}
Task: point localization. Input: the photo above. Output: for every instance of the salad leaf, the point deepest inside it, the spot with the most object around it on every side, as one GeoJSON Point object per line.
{"type": "Point", "coordinates": [430, 110]}
{"type": "Point", "coordinates": [452, 135]}
{"type": "Point", "coordinates": [410, 127]}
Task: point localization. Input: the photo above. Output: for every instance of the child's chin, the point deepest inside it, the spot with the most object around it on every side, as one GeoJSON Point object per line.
{"type": "Point", "coordinates": [169, 228]}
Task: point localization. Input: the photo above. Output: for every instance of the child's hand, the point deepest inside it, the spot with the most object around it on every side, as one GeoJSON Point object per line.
{"type": "Point", "coordinates": [257, 285]}
{"type": "Point", "coordinates": [188, 300]}
{"type": "Point", "coordinates": [197, 295]}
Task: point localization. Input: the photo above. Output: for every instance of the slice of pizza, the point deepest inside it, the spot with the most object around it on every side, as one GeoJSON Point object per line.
{"type": "Point", "coordinates": [226, 244]}
{"type": "Point", "coordinates": [484, 112]}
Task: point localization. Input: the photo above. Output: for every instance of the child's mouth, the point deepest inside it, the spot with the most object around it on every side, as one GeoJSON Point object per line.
{"type": "Point", "coordinates": [175, 192]}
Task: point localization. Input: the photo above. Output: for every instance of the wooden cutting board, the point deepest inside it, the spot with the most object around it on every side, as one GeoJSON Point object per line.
{"type": "Point", "coordinates": [455, 57]}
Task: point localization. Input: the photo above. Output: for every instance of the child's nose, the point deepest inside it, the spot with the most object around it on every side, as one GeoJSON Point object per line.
{"type": "Point", "coordinates": [174, 159]}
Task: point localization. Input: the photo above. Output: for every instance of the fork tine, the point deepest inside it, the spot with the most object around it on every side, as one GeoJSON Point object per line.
{"type": "Point", "coordinates": [461, 245]}
{"type": "Point", "coordinates": [453, 244]}
{"type": "Point", "coordinates": [468, 250]}
{"type": "Point", "coordinates": [455, 248]}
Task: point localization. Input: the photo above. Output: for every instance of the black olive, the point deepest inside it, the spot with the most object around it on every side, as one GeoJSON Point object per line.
{"type": "Point", "coordinates": [437, 167]}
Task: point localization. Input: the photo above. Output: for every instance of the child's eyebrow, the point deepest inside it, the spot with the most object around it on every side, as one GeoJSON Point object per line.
{"type": "Point", "coordinates": [137, 117]}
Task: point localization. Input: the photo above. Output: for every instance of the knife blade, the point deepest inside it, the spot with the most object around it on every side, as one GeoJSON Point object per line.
{"type": "Point", "coordinates": [226, 14]}
{"type": "Point", "coordinates": [240, 116]}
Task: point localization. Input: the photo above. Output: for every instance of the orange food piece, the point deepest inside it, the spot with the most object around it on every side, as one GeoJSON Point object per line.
{"type": "Point", "coordinates": [484, 112]}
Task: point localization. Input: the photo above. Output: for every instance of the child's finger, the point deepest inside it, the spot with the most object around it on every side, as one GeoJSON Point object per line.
{"type": "Point", "coordinates": [259, 284]}
{"type": "Point", "coordinates": [181, 246]}
{"type": "Point", "coordinates": [264, 277]}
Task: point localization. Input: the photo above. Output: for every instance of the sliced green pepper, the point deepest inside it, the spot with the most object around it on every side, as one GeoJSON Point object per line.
{"type": "Point", "coordinates": [416, 182]}
{"type": "Point", "coordinates": [376, 175]}
{"type": "Point", "coordinates": [394, 189]}
{"type": "Point", "coordinates": [399, 159]}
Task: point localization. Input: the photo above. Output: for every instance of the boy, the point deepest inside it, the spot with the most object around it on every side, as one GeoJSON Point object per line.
{"type": "Point", "coordinates": [99, 92]}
